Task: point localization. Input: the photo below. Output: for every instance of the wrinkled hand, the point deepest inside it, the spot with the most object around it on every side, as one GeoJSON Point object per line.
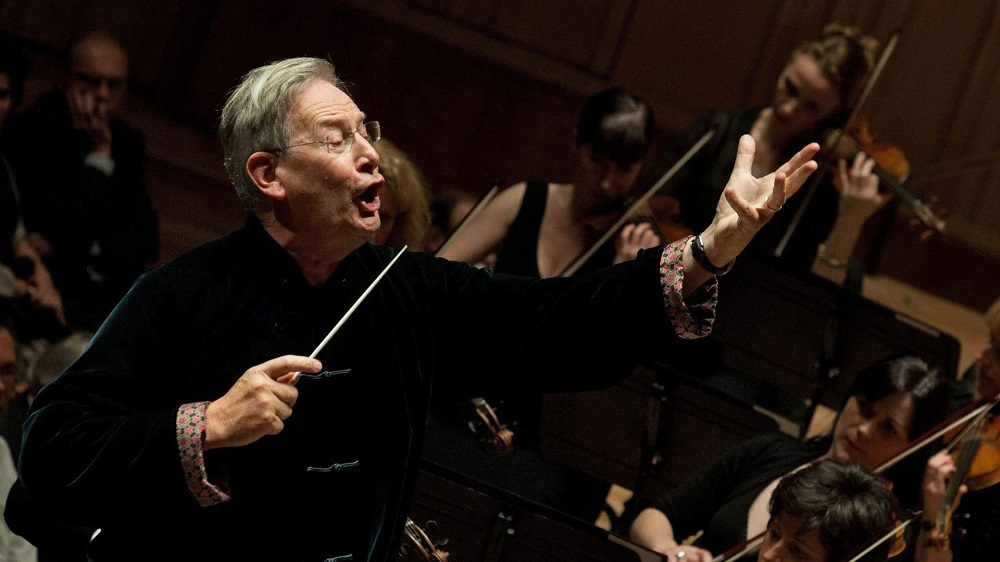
{"type": "Point", "coordinates": [92, 117]}
{"type": "Point", "coordinates": [681, 553]}
{"type": "Point", "coordinates": [747, 202]}
{"type": "Point", "coordinates": [257, 405]}
{"type": "Point", "coordinates": [858, 187]}
{"type": "Point", "coordinates": [632, 238]}
{"type": "Point", "coordinates": [940, 468]}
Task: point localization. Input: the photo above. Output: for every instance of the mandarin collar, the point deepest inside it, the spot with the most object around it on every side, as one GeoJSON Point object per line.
{"type": "Point", "coordinates": [270, 259]}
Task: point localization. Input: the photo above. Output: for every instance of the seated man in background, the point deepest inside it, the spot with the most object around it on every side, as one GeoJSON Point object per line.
{"type": "Point", "coordinates": [80, 170]}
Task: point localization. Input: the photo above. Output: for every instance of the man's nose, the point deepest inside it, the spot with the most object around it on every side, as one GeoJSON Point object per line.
{"type": "Point", "coordinates": [770, 553]}
{"type": "Point", "coordinates": [367, 157]}
{"type": "Point", "coordinates": [103, 91]}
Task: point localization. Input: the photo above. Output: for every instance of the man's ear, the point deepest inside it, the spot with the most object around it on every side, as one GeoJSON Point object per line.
{"type": "Point", "coordinates": [263, 170]}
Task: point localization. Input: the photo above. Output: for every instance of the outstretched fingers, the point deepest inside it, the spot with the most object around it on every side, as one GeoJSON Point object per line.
{"type": "Point", "coordinates": [742, 207]}
{"type": "Point", "coordinates": [799, 168]}
{"type": "Point", "coordinates": [745, 151]}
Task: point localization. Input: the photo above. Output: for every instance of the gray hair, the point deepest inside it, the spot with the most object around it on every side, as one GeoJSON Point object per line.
{"type": "Point", "coordinates": [255, 116]}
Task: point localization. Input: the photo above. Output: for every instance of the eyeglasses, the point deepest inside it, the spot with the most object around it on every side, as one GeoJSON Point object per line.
{"type": "Point", "coordinates": [339, 142]}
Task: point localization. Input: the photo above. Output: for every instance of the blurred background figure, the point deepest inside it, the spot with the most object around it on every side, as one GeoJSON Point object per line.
{"type": "Point", "coordinates": [812, 96]}
{"type": "Point", "coordinates": [538, 229]}
{"type": "Point", "coordinates": [27, 292]}
{"type": "Point", "coordinates": [405, 203]}
{"type": "Point", "coordinates": [13, 548]}
{"type": "Point", "coordinates": [82, 181]}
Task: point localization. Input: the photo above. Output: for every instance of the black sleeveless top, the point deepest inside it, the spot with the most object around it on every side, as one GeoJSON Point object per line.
{"type": "Point", "coordinates": [518, 253]}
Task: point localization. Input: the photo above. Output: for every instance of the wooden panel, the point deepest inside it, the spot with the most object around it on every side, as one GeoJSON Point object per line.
{"type": "Point", "coordinates": [142, 32]}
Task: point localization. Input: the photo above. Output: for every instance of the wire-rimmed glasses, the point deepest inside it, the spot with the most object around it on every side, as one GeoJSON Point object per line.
{"type": "Point", "coordinates": [339, 142]}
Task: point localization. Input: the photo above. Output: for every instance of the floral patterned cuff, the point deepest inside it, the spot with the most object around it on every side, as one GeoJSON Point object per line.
{"type": "Point", "coordinates": [190, 433]}
{"type": "Point", "coordinates": [692, 318]}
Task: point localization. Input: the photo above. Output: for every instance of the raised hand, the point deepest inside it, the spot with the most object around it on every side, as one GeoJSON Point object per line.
{"type": "Point", "coordinates": [747, 202]}
{"type": "Point", "coordinates": [256, 405]}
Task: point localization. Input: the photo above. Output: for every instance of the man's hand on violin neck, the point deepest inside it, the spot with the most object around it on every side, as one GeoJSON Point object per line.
{"type": "Point", "coordinates": [256, 405]}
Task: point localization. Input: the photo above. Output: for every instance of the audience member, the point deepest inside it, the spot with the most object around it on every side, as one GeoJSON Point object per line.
{"type": "Point", "coordinates": [80, 168]}
{"type": "Point", "coordinates": [13, 548]}
{"type": "Point", "coordinates": [26, 288]}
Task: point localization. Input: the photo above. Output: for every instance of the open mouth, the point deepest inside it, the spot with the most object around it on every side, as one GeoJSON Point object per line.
{"type": "Point", "coordinates": [368, 200]}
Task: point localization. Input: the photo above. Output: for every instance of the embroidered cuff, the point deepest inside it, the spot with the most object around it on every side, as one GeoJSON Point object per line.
{"type": "Point", "coordinates": [693, 318]}
{"type": "Point", "coordinates": [100, 162]}
{"type": "Point", "coordinates": [190, 433]}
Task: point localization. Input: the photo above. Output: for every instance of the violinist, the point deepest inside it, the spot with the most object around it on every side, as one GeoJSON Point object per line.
{"type": "Point", "coordinates": [813, 95]}
{"type": "Point", "coordinates": [827, 512]}
{"type": "Point", "coordinates": [538, 229]}
{"type": "Point", "coordinates": [974, 518]}
{"type": "Point", "coordinates": [890, 404]}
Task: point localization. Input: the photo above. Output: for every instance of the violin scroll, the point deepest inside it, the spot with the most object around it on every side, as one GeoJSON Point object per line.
{"type": "Point", "coordinates": [417, 540]}
{"type": "Point", "coordinates": [498, 435]}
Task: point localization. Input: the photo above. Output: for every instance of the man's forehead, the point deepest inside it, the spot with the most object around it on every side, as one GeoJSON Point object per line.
{"type": "Point", "coordinates": [322, 102]}
{"type": "Point", "coordinates": [100, 55]}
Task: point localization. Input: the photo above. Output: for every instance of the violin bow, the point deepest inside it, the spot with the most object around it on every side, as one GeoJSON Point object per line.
{"type": "Point", "coordinates": [970, 412]}
{"type": "Point", "coordinates": [479, 206]}
{"type": "Point", "coordinates": [894, 532]}
{"type": "Point", "coordinates": [582, 259]}
{"type": "Point", "coordinates": [741, 550]}
{"type": "Point", "coordinates": [350, 311]}
{"type": "Point", "coordinates": [890, 46]}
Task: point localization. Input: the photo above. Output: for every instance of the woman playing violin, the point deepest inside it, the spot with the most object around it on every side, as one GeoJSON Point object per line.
{"type": "Point", "coordinates": [539, 228]}
{"type": "Point", "coordinates": [827, 512]}
{"type": "Point", "coordinates": [812, 96]}
{"type": "Point", "coordinates": [890, 403]}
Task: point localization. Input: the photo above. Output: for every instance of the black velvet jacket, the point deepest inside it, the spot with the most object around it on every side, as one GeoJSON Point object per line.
{"type": "Point", "coordinates": [100, 445]}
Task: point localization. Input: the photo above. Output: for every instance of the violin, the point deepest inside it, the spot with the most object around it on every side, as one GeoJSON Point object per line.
{"type": "Point", "coordinates": [891, 167]}
{"type": "Point", "coordinates": [976, 450]}
{"type": "Point", "coordinates": [983, 468]}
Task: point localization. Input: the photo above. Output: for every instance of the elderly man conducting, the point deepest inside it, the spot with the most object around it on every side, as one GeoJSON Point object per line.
{"type": "Point", "coordinates": [175, 432]}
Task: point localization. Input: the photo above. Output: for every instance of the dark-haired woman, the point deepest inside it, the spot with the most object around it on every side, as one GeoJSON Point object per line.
{"type": "Point", "coordinates": [890, 404]}
{"type": "Point", "coordinates": [828, 512]}
{"type": "Point", "coordinates": [539, 228]}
